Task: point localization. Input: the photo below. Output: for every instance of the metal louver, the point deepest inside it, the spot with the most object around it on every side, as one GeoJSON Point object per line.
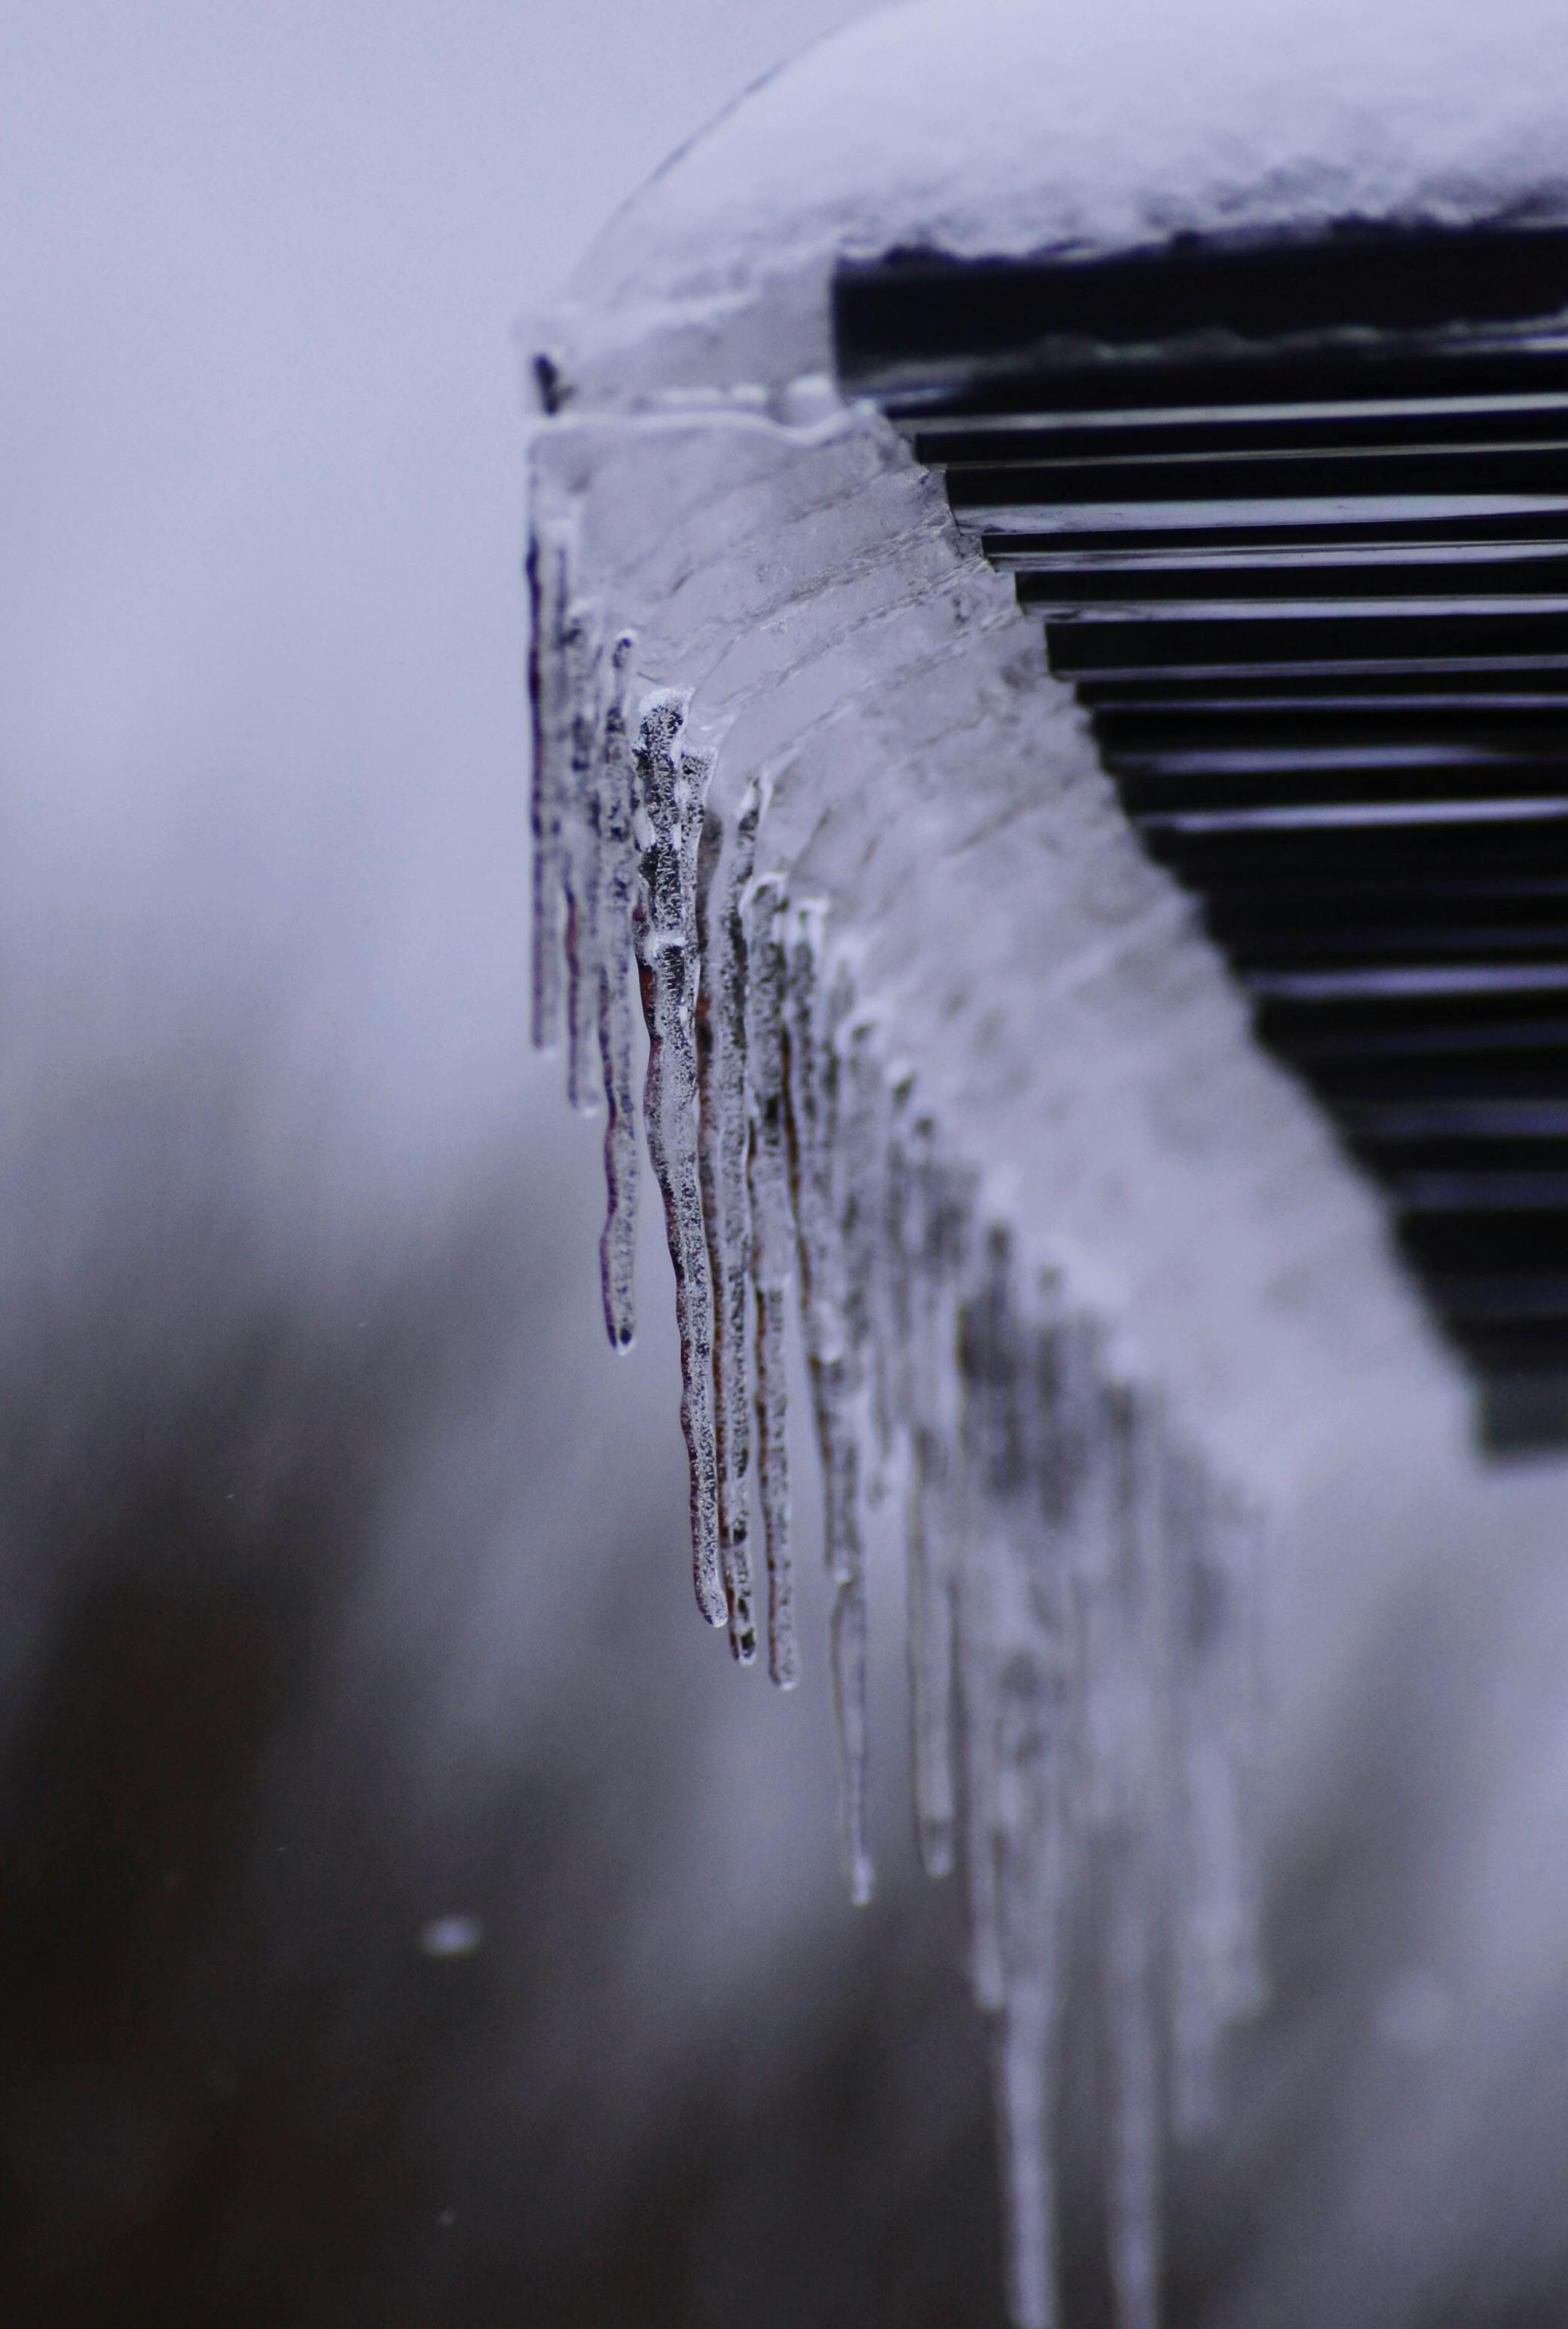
{"type": "Point", "coordinates": [1296, 516]}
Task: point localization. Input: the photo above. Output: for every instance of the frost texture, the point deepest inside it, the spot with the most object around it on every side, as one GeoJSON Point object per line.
{"type": "Point", "coordinates": [1080, 1587]}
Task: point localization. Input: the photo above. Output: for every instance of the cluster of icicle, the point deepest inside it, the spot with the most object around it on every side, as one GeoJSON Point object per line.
{"type": "Point", "coordinates": [1078, 1584]}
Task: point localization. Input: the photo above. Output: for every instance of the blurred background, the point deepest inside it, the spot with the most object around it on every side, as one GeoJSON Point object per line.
{"type": "Point", "coordinates": [407, 1915]}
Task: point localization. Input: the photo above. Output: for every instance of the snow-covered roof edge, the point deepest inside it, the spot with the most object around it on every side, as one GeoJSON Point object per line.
{"type": "Point", "coordinates": [1067, 126]}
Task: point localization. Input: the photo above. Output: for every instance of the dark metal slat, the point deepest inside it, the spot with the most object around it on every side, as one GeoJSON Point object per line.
{"type": "Point", "coordinates": [1248, 432]}
{"type": "Point", "coordinates": [1388, 473]}
{"type": "Point", "coordinates": [1297, 516]}
{"type": "Point", "coordinates": [1076, 587]}
{"type": "Point", "coordinates": [1244, 530]}
{"type": "Point", "coordinates": [1328, 642]}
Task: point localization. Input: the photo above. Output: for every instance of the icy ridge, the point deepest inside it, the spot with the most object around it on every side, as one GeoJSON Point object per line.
{"type": "Point", "coordinates": [937, 792]}
{"type": "Point", "coordinates": [1080, 1583]}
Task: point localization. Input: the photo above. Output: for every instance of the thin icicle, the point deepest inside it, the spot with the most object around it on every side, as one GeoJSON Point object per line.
{"type": "Point", "coordinates": [583, 666]}
{"type": "Point", "coordinates": [812, 1087]}
{"type": "Point", "coordinates": [930, 1590]}
{"type": "Point", "coordinates": [815, 1101]}
{"type": "Point", "coordinates": [1035, 1842]}
{"type": "Point", "coordinates": [1205, 1878]}
{"type": "Point", "coordinates": [1133, 2181]}
{"type": "Point", "coordinates": [863, 1165]}
{"type": "Point", "coordinates": [929, 1252]}
{"type": "Point", "coordinates": [897, 1243]}
{"type": "Point", "coordinates": [859, 1199]}
{"type": "Point", "coordinates": [1033, 1847]}
{"type": "Point", "coordinates": [771, 1255]}
{"type": "Point", "coordinates": [670, 785]}
{"type": "Point", "coordinates": [850, 1707]}
{"type": "Point", "coordinates": [1245, 1979]}
{"type": "Point", "coordinates": [1218, 1721]}
{"type": "Point", "coordinates": [721, 1074]}
{"type": "Point", "coordinates": [988, 1358]}
{"type": "Point", "coordinates": [616, 862]}
{"type": "Point", "coordinates": [549, 595]}
{"type": "Point", "coordinates": [977, 1664]}
{"type": "Point", "coordinates": [1127, 1711]}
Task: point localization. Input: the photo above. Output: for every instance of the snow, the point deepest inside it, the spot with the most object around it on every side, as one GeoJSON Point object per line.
{"type": "Point", "coordinates": [1027, 125]}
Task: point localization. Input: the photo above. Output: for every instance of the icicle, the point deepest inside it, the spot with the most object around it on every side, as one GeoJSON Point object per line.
{"type": "Point", "coordinates": [993, 1586]}
{"type": "Point", "coordinates": [1125, 1715]}
{"type": "Point", "coordinates": [1216, 1975]}
{"type": "Point", "coordinates": [1032, 1841]}
{"type": "Point", "coordinates": [863, 1157]}
{"type": "Point", "coordinates": [899, 1242]}
{"type": "Point", "coordinates": [930, 1589]}
{"type": "Point", "coordinates": [771, 1246]}
{"type": "Point", "coordinates": [670, 783]}
{"type": "Point", "coordinates": [1243, 1982]}
{"type": "Point", "coordinates": [1033, 1856]}
{"type": "Point", "coordinates": [1133, 2194]}
{"type": "Point", "coordinates": [615, 895]}
{"type": "Point", "coordinates": [929, 1252]}
{"type": "Point", "coordinates": [813, 1087]}
{"type": "Point", "coordinates": [582, 663]}
{"type": "Point", "coordinates": [848, 1630]}
{"type": "Point", "coordinates": [859, 1157]}
{"type": "Point", "coordinates": [1017, 1709]}
{"type": "Point", "coordinates": [721, 1074]}
{"type": "Point", "coordinates": [549, 595]}
{"type": "Point", "coordinates": [1198, 1846]}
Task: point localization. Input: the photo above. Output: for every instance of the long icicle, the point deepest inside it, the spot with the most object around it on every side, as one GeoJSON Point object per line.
{"type": "Point", "coordinates": [930, 1248]}
{"type": "Point", "coordinates": [669, 785]}
{"type": "Point", "coordinates": [1035, 1842]}
{"type": "Point", "coordinates": [722, 1143]}
{"type": "Point", "coordinates": [1216, 1975]}
{"type": "Point", "coordinates": [1033, 1872]}
{"type": "Point", "coordinates": [865, 1142]}
{"type": "Point", "coordinates": [550, 678]}
{"type": "Point", "coordinates": [1205, 1875]}
{"type": "Point", "coordinates": [1129, 1691]}
{"type": "Point", "coordinates": [772, 1251]}
{"type": "Point", "coordinates": [813, 1082]}
{"type": "Point", "coordinates": [583, 656]}
{"type": "Point", "coordinates": [616, 862]}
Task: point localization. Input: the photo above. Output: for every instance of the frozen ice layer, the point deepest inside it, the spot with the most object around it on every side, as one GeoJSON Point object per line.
{"type": "Point", "coordinates": [1085, 1287]}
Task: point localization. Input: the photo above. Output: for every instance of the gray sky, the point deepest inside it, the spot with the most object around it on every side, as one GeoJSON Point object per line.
{"type": "Point", "coordinates": [260, 707]}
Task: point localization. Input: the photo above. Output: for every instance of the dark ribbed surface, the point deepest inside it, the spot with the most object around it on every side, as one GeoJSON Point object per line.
{"type": "Point", "coordinates": [1296, 518]}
